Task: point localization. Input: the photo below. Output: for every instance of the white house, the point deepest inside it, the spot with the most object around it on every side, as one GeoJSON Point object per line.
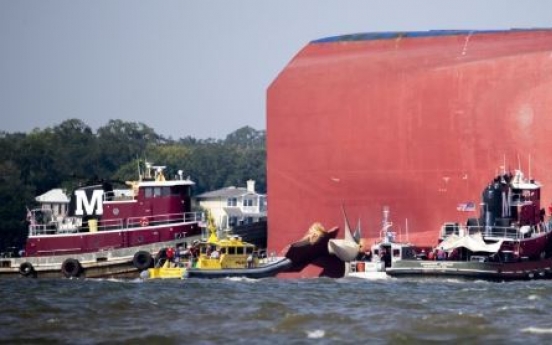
{"type": "Point", "coordinates": [233, 206]}
{"type": "Point", "coordinates": [55, 201]}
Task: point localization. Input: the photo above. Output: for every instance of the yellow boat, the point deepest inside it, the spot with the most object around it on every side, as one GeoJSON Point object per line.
{"type": "Point", "coordinates": [219, 258]}
{"type": "Point", "coordinates": [166, 271]}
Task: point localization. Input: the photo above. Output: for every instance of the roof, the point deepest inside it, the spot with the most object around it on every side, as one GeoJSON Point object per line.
{"type": "Point", "coordinates": [169, 183]}
{"type": "Point", "coordinates": [227, 192]}
{"type": "Point", "coordinates": [56, 195]}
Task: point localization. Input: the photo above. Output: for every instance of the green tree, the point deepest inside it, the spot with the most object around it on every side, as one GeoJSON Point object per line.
{"type": "Point", "coordinates": [70, 154]}
{"type": "Point", "coordinates": [76, 151]}
{"type": "Point", "coordinates": [246, 137]}
{"type": "Point", "coordinates": [121, 142]}
{"type": "Point", "coordinates": [13, 196]}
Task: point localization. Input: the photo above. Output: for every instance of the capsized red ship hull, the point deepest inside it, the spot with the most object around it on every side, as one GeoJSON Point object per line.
{"type": "Point", "coordinates": [415, 121]}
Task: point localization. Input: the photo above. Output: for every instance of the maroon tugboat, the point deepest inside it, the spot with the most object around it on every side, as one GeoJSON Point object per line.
{"type": "Point", "coordinates": [510, 240]}
{"type": "Point", "coordinates": [109, 232]}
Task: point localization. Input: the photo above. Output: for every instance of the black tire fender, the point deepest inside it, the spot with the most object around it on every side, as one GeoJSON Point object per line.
{"type": "Point", "coordinates": [142, 260]}
{"type": "Point", "coordinates": [71, 268]}
{"type": "Point", "coordinates": [26, 269]}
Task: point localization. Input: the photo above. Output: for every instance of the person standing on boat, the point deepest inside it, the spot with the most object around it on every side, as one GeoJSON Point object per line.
{"type": "Point", "coordinates": [250, 261]}
{"type": "Point", "coordinates": [177, 255]}
{"type": "Point", "coordinates": [215, 254]}
{"type": "Point", "coordinates": [194, 252]}
{"type": "Point", "coordinates": [387, 258]}
{"type": "Point", "coordinates": [441, 255]}
{"type": "Point", "coordinates": [170, 254]}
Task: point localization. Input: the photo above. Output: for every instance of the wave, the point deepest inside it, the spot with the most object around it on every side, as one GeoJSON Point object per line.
{"type": "Point", "coordinates": [537, 330]}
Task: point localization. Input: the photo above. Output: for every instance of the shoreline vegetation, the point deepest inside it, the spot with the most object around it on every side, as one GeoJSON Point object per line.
{"type": "Point", "coordinates": [71, 154]}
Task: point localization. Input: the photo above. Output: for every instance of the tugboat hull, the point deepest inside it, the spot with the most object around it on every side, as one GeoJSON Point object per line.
{"type": "Point", "coordinates": [493, 271]}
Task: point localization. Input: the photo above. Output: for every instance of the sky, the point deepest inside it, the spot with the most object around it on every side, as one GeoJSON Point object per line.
{"type": "Point", "coordinates": [192, 68]}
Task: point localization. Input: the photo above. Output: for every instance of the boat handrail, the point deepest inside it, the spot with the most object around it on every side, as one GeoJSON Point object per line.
{"type": "Point", "coordinates": [58, 227]}
{"type": "Point", "coordinates": [496, 231]}
{"type": "Point", "coordinates": [506, 232]}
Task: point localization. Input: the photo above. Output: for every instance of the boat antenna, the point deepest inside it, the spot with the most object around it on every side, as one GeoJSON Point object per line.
{"type": "Point", "coordinates": [386, 224]}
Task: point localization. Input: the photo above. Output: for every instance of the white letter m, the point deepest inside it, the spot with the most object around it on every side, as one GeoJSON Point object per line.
{"type": "Point", "coordinates": [82, 201]}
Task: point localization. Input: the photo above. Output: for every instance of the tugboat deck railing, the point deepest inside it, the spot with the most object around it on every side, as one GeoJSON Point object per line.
{"type": "Point", "coordinates": [57, 227]}
{"type": "Point", "coordinates": [496, 232]}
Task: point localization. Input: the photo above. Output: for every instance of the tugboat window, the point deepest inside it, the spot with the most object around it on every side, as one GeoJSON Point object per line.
{"type": "Point", "coordinates": [157, 191]}
{"type": "Point", "coordinates": [148, 192]}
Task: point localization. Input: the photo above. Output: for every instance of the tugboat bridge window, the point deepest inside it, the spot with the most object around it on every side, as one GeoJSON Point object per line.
{"type": "Point", "coordinates": [156, 192]}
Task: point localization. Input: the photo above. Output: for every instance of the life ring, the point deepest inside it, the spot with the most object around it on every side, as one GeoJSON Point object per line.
{"type": "Point", "coordinates": [142, 260]}
{"type": "Point", "coordinates": [144, 221]}
{"type": "Point", "coordinates": [71, 268]}
{"type": "Point", "coordinates": [26, 269]}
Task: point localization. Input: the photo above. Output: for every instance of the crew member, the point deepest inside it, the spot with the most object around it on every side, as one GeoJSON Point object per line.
{"type": "Point", "coordinates": [170, 254]}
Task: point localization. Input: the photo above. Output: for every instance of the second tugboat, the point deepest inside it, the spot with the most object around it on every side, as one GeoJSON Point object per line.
{"type": "Point", "coordinates": [509, 241]}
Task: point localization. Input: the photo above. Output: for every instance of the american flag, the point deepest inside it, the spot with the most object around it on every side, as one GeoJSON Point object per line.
{"type": "Point", "coordinates": [466, 206]}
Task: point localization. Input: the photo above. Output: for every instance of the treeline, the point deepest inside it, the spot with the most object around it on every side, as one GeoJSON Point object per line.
{"type": "Point", "coordinates": [71, 154]}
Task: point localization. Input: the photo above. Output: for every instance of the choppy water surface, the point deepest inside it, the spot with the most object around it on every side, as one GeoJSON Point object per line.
{"type": "Point", "coordinates": [275, 311]}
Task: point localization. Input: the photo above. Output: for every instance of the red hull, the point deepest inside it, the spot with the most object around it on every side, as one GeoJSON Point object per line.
{"type": "Point", "coordinates": [417, 123]}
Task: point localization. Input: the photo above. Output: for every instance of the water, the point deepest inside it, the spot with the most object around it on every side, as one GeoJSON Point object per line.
{"type": "Point", "coordinates": [274, 311]}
